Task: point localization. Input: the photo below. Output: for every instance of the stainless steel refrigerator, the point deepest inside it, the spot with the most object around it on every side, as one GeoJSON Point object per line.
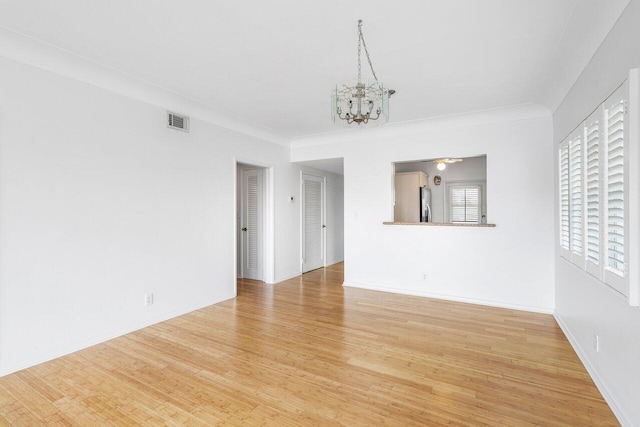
{"type": "Point", "coordinates": [425, 205]}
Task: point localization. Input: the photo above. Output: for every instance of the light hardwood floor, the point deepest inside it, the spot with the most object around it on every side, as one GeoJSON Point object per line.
{"type": "Point", "coordinates": [310, 352]}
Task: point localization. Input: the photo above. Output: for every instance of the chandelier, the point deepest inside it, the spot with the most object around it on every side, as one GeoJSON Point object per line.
{"type": "Point", "coordinates": [362, 101]}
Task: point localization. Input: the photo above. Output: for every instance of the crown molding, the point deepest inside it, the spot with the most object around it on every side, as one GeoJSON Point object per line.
{"type": "Point", "coordinates": [474, 118]}
{"type": "Point", "coordinates": [29, 51]}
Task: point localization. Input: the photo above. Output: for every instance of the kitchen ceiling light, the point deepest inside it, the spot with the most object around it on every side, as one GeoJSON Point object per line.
{"type": "Point", "coordinates": [442, 163]}
{"type": "Point", "coordinates": [362, 101]}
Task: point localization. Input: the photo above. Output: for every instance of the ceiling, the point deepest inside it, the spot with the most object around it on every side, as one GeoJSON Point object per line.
{"type": "Point", "coordinates": [273, 63]}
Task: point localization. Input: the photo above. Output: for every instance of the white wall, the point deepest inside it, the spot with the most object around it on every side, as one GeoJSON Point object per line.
{"type": "Point", "coordinates": [100, 203]}
{"type": "Point", "coordinates": [470, 169]}
{"type": "Point", "coordinates": [509, 265]}
{"type": "Point", "coordinates": [584, 306]}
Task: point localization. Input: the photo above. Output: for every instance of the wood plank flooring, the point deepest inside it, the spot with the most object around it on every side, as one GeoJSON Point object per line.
{"type": "Point", "coordinates": [310, 352]}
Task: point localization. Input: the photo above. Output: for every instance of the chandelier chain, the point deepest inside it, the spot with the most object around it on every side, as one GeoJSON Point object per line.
{"type": "Point", "coordinates": [366, 51]}
{"type": "Point", "coordinates": [359, 50]}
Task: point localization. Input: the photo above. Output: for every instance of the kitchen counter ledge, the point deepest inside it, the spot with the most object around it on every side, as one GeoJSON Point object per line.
{"type": "Point", "coordinates": [439, 224]}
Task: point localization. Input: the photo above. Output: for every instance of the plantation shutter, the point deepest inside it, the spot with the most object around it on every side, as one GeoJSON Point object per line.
{"type": "Point", "coordinates": [615, 187]}
{"type": "Point", "coordinates": [576, 193]}
{"type": "Point", "coordinates": [465, 203]}
{"type": "Point", "coordinates": [615, 115]}
{"type": "Point", "coordinates": [564, 196]}
{"type": "Point", "coordinates": [596, 175]}
{"type": "Point", "coordinates": [592, 188]}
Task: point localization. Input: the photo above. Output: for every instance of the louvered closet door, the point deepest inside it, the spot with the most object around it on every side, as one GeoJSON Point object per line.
{"type": "Point", "coordinates": [312, 221]}
{"type": "Point", "coordinates": [252, 224]}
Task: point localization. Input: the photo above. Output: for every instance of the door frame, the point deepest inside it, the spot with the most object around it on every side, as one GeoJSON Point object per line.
{"type": "Point", "coordinates": [323, 237]}
{"type": "Point", "coordinates": [268, 219]}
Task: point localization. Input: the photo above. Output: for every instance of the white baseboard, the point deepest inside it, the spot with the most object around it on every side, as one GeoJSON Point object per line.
{"type": "Point", "coordinates": [282, 279]}
{"type": "Point", "coordinates": [534, 309]}
{"type": "Point", "coordinates": [85, 343]}
{"type": "Point", "coordinates": [597, 378]}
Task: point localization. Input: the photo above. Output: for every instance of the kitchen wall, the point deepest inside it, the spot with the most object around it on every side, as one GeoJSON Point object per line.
{"type": "Point", "coordinates": [101, 203]}
{"type": "Point", "coordinates": [510, 265]}
{"type": "Point", "coordinates": [470, 169]}
{"type": "Point", "coordinates": [584, 306]}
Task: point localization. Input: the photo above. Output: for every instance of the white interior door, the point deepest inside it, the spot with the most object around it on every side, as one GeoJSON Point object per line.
{"type": "Point", "coordinates": [313, 227]}
{"type": "Point", "coordinates": [252, 224]}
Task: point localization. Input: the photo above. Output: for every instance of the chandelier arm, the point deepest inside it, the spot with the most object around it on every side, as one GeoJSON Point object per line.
{"type": "Point", "coordinates": [378, 112]}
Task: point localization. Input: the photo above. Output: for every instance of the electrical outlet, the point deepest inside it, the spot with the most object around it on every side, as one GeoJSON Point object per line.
{"type": "Point", "coordinates": [424, 276]}
{"type": "Point", "coordinates": [596, 343]}
{"type": "Point", "coordinates": [148, 299]}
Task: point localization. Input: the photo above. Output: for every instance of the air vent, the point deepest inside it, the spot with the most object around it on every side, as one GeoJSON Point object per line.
{"type": "Point", "coordinates": [178, 122]}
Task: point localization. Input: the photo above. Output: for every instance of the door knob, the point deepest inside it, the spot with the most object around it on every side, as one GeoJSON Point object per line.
{"type": "Point", "coordinates": [244, 228]}
{"type": "Point", "coordinates": [324, 226]}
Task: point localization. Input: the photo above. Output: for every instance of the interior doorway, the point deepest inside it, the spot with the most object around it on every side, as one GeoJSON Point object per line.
{"type": "Point", "coordinates": [254, 222]}
{"type": "Point", "coordinates": [313, 227]}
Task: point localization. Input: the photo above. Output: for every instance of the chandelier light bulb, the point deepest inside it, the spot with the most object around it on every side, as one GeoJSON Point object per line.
{"type": "Point", "coordinates": [441, 166]}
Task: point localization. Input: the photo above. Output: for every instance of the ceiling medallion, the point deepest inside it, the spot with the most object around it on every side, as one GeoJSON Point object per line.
{"type": "Point", "coordinates": [363, 101]}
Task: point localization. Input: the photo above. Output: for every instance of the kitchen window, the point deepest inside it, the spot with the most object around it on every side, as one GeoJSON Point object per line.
{"type": "Point", "coordinates": [464, 203]}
